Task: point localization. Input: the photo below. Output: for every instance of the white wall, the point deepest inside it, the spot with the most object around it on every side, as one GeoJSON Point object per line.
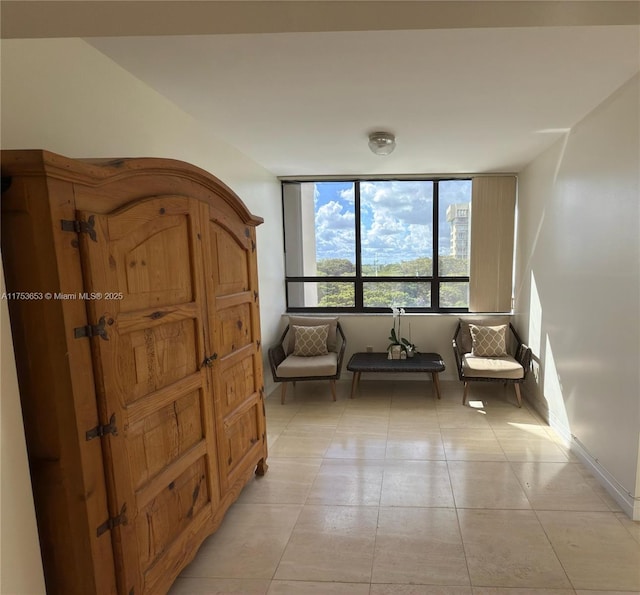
{"type": "Point", "coordinates": [64, 96]}
{"type": "Point", "coordinates": [430, 333]}
{"type": "Point", "coordinates": [21, 569]}
{"type": "Point", "coordinates": [578, 288]}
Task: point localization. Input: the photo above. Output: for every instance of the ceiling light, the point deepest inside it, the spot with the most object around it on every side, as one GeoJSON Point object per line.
{"type": "Point", "coordinates": [382, 143]}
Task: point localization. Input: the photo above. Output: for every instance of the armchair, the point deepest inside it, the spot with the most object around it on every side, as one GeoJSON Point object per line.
{"type": "Point", "coordinates": [309, 349]}
{"type": "Point", "coordinates": [490, 351]}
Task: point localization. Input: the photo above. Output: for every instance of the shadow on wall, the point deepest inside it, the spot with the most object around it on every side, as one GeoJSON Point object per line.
{"type": "Point", "coordinates": [545, 391]}
{"type": "Point", "coordinates": [549, 397]}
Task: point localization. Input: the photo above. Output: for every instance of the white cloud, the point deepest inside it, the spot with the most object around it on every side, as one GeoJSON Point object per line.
{"type": "Point", "coordinates": [335, 232]}
{"type": "Point", "coordinates": [333, 216]}
{"type": "Point", "coordinates": [348, 195]}
{"type": "Point", "coordinates": [405, 201]}
{"type": "Point", "coordinates": [396, 220]}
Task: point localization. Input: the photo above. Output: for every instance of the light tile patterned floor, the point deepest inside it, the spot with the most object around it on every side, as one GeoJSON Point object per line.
{"type": "Point", "coordinates": [397, 493]}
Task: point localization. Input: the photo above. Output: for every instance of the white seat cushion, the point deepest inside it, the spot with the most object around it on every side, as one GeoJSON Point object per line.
{"type": "Point", "coordinates": [491, 367]}
{"type": "Point", "coordinates": [295, 366]}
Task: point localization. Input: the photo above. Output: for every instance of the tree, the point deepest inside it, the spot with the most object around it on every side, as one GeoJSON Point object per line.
{"type": "Point", "coordinates": [335, 267]}
{"type": "Point", "coordinates": [450, 266]}
{"type": "Point", "coordinates": [380, 294]}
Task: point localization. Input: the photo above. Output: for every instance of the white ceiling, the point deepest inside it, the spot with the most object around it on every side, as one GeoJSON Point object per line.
{"type": "Point", "coordinates": [460, 100]}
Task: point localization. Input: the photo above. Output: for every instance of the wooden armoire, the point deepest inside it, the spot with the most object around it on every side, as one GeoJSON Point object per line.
{"type": "Point", "coordinates": [133, 296]}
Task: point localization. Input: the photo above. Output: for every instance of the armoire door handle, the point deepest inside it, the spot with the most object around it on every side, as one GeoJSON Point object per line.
{"type": "Point", "coordinates": [208, 361]}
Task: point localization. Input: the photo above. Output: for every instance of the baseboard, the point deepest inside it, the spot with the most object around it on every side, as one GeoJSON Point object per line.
{"type": "Point", "coordinates": [629, 504]}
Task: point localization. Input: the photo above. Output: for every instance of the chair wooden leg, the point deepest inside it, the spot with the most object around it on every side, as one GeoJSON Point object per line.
{"type": "Point", "coordinates": [283, 394]}
{"type": "Point", "coordinates": [332, 383]}
{"type": "Point", "coordinates": [464, 393]}
{"type": "Point", "coordinates": [518, 395]}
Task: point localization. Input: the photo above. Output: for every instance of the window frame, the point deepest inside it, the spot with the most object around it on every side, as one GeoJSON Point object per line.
{"type": "Point", "coordinates": [358, 280]}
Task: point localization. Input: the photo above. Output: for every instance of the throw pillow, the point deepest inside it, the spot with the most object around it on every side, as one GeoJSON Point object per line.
{"type": "Point", "coordinates": [332, 339]}
{"type": "Point", "coordinates": [311, 340]}
{"type": "Point", "coordinates": [488, 341]}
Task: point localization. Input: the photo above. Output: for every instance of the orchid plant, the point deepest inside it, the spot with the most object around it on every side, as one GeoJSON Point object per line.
{"type": "Point", "coordinates": [396, 337]}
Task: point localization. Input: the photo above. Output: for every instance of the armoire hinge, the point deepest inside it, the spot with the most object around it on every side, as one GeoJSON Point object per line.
{"type": "Point", "coordinates": [103, 430]}
{"type": "Point", "coordinates": [81, 226]}
{"type": "Point", "coordinates": [92, 330]}
{"type": "Point", "coordinates": [113, 521]}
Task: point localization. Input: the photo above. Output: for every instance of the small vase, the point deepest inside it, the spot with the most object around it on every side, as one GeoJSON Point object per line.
{"type": "Point", "coordinates": [410, 352]}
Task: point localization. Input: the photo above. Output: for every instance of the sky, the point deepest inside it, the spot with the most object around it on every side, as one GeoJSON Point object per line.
{"type": "Point", "coordinates": [395, 217]}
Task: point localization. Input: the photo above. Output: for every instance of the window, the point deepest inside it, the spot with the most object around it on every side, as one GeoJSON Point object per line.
{"type": "Point", "coordinates": [365, 245]}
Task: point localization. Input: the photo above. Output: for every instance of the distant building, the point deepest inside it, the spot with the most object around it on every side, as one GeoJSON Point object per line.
{"type": "Point", "coordinates": [458, 218]}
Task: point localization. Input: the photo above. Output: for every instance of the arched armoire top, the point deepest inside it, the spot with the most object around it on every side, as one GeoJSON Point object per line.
{"type": "Point", "coordinates": [152, 175]}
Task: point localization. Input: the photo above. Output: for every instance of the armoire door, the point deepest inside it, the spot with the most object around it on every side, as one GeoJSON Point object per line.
{"type": "Point", "coordinates": [234, 321]}
{"type": "Point", "coordinates": [145, 270]}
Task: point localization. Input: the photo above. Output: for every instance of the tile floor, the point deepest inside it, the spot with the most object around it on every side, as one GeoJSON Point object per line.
{"type": "Point", "coordinates": [395, 492]}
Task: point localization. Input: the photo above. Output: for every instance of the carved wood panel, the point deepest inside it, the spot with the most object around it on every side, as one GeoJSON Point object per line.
{"type": "Point", "coordinates": [150, 255]}
{"type": "Point", "coordinates": [233, 320]}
